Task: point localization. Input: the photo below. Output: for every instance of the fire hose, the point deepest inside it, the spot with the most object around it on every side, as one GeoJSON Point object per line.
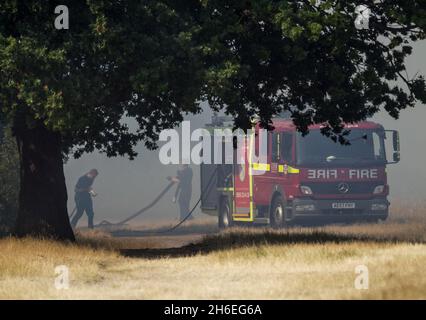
{"type": "Point", "coordinates": [153, 203]}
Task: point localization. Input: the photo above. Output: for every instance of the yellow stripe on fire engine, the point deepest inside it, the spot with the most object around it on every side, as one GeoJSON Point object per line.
{"type": "Point", "coordinates": [289, 169]}
{"type": "Point", "coordinates": [251, 150]}
{"type": "Point", "coordinates": [261, 166]}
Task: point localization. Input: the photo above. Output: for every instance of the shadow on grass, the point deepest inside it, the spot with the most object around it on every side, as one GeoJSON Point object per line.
{"type": "Point", "coordinates": [245, 238]}
{"type": "Point", "coordinates": [164, 231]}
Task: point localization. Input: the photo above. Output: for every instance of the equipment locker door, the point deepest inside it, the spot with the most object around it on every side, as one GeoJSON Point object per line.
{"type": "Point", "coordinates": [243, 184]}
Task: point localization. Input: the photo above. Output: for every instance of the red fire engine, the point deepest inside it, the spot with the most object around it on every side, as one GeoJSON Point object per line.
{"type": "Point", "coordinates": [305, 179]}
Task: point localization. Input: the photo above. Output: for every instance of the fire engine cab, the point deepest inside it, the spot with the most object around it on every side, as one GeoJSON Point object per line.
{"type": "Point", "coordinates": [303, 179]}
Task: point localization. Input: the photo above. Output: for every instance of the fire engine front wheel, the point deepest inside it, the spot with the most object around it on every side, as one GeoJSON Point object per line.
{"type": "Point", "coordinates": [277, 213]}
{"type": "Point", "coordinates": [225, 218]}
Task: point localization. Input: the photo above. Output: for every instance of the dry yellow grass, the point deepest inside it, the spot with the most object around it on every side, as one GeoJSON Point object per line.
{"type": "Point", "coordinates": [242, 264]}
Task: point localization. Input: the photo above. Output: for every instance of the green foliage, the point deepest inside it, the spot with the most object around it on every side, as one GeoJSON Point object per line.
{"type": "Point", "coordinates": [9, 182]}
{"type": "Point", "coordinates": [307, 57]}
{"type": "Point", "coordinates": [156, 60]}
{"type": "Point", "coordinates": [117, 60]}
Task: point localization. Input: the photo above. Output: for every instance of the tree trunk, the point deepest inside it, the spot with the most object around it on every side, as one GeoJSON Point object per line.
{"type": "Point", "coordinates": [43, 194]}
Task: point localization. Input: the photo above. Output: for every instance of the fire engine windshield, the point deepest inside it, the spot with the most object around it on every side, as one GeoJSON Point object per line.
{"type": "Point", "coordinates": [366, 147]}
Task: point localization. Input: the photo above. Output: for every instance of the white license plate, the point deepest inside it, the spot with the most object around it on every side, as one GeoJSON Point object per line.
{"type": "Point", "coordinates": [343, 205]}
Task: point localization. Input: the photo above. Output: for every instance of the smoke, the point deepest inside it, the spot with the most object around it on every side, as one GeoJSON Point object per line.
{"type": "Point", "coordinates": [126, 186]}
{"type": "Point", "coordinates": [407, 179]}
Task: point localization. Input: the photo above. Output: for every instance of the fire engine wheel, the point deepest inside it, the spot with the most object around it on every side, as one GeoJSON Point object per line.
{"type": "Point", "coordinates": [225, 218]}
{"type": "Point", "coordinates": [277, 213]}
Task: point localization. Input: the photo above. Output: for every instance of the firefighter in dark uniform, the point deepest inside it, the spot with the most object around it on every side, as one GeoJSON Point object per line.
{"type": "Point", "coordinates": [83, 198]}
{"type": "Point", "coordinates": [184, 190]}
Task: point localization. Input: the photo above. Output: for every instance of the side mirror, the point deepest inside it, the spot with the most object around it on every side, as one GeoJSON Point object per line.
{"type": "Point", "coordinates": [396, 157]}
{"type": "Point", "coordinates": [395, 138]}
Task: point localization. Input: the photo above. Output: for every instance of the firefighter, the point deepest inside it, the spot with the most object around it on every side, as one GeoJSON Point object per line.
{"type": "Point", "coordinates": [83, 198]}
{"type": "Point", "coordinates": [183, 190]}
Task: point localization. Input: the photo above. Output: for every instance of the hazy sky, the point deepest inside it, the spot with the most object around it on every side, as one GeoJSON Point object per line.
{"type": "Point", "coordinates": [407, 179]}
{"type": "Point", "coordinates": [126, 186]}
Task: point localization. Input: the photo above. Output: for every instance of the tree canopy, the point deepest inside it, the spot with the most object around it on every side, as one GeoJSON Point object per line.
{"type": "Point", "coordinates": [308, 58]}
{"type": "Point", "coordinates": [117, 59]}
{"type": "Point", "coordinates": [156, 60]}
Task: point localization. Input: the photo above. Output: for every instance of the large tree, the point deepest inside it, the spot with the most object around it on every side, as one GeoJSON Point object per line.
{"type": "Point", "coordinates": [9, 180]}
{"type": "Point", "coordinates": [68, 91]}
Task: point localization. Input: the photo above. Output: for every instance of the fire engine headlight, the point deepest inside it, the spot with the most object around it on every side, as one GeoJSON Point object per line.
{"type": "Point", "coordinates": [306, 190]}
{"type": "Point", "coordinates": [379, 189]}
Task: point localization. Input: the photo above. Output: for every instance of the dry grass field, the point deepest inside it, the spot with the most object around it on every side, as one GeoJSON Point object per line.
{"type": "Point", "coordinates": [299, 263]}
